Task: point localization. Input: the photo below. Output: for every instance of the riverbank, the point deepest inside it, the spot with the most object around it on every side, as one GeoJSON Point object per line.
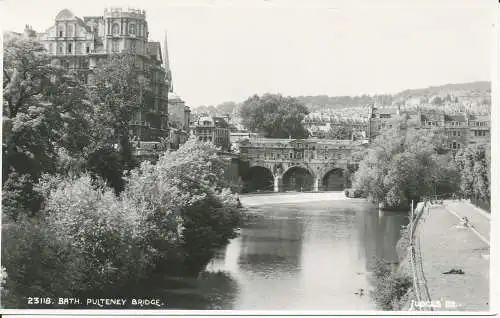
{"type": "Point", "coordinates": [445, 245]}
{"type": "Point", "coordinates": [256, 199]}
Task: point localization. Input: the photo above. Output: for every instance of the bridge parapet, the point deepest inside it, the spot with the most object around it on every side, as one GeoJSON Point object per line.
{"type": "Point", "coordinates": [317, 156]}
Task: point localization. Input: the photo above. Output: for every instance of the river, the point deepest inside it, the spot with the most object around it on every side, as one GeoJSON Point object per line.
{"type": "Point", "coordinates": [301, 252]}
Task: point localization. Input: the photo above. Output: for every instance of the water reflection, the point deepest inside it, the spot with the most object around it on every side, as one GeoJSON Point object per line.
{"type": "Point", "coordinates": [379, 235]}
{"type": "Point", "coordinates": [308, 256]}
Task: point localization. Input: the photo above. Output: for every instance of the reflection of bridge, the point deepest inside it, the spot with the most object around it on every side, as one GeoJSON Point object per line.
{"type": "Point", "coordinates": [298, 164]}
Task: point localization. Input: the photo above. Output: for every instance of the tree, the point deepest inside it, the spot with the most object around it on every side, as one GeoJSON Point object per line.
{"type": "Point", "coordinates": [437, 100]}
{"type": "Point", "coordinates": [119, 92]}
{"type": "Point", "coordinates": [275, 115]}
{"type": "Point", "coordinates": [45, 111]}
{"type": "Point", "coordinates": [473, 164]}
{"type": "Point", "coordinates": [226, 108]}
{"type": "Point", "coordinates": [339, 132]}
{"type": "Point", "coordinates": [403, 164]}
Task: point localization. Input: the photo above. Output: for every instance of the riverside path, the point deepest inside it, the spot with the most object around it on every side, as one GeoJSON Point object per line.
{"type": "Point", "coordinates": [446, 245]}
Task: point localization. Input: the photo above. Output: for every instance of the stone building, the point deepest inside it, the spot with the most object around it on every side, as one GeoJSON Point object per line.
{"type": "Point", "coordinates": [319, 124]}
{"type": "Point", "coordinates": [299, 164]}
{"type": "Point", "coordinates": [82, 43]}
{"type": "Point", "coordinates": [380, 118]}
{"type": "Point", "coordinates": [212, 129]}
{"type": "Point", "coordinates": [461, 129]}
{"type": "Point", "coordinates": [178, 112]}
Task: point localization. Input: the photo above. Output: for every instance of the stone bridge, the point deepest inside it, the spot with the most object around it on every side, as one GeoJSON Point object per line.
{"type": "Point", "coordinates": [299, 164]}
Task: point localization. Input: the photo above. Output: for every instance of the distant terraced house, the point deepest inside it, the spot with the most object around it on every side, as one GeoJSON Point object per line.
{"type": "Point", "coordinates": [462, 129]}
{"type": "Point", "coordinates": [318, 124]}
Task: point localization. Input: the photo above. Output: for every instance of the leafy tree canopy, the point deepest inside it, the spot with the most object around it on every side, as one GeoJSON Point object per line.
{"type": "Point", "coordinates": [45, 111]}
{"type": "Point", "coordinates": [275, 115]}
{"type": "Point", "coordinates": [404, 164]}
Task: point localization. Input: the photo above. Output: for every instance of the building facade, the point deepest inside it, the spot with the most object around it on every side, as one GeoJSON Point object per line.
{"type": "Point", "coordinates": [81, 44]}
{"type": "Point", "coordinates": [212, 129]}
{"type": "Point", "coordinates": [319, 124]}
{"type": "Point", "coordinates": [460, 129]}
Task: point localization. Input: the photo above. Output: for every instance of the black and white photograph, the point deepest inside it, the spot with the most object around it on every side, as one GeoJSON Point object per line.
{"type": "Point", "coordinates": [249, 156]}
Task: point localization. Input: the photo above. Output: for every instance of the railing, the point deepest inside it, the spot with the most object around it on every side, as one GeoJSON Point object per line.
{"type": "Point", "coordinates": [419, 282]}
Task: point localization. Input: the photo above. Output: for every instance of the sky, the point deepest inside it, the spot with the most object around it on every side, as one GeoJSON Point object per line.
{"type": "Point", "coordinates": [223, 50]}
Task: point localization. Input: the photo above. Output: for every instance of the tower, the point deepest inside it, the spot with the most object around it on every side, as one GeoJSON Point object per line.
{"type": "Point", "coordinates": [166, 62]}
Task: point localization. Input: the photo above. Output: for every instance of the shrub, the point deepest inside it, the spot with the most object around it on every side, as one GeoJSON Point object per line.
{"type": "Point", "coordinates": [208, 225]}
{"type": "Point", "coordinates": [354, 193]}
{"type": "Point", "coordinates": [106, 163]}
{"type": "Point", "coordinates": [98, 227]}
{"type": "Point", "coordinates": [404, 242]}
{"type": "Point", "coordinates": [38, 263]}
{"type": "Point", "coordinates": [171, 218]}
{"type": "Point", "coordinates": [390, 286]}
{"type": "Point", "coordinates": [183, 218]}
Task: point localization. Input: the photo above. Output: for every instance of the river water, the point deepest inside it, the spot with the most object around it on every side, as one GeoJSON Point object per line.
{"type": "Point", "coordinates": [312, 255]}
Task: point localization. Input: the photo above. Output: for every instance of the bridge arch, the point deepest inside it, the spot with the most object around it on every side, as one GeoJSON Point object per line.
{"type": "Point", "coordinates": [258, 178]}
{"type": "Point", "coordinates": [335, 179]}
{"type": "Point", "coordinates": [298, 178]}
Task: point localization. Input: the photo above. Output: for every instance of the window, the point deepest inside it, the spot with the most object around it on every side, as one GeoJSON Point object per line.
{"type": "Point", "coordinates": [59, 48]}
{"type": "Point", "coordinates": [87, 49]}
{"type": "Point", "coordinates": [61, 32]}
{"type": "Point", "coordinates": [70, 30]}
{"type": "Point", "coordinates": [131, 29]}
{"type": "Point", "coordinates": [458, 133]}
{"type": "Point", "coordinates": [454, 133]}
{"type": "Point", "coordinates": [70, 46]}
{"type": "Point", "coordinates": [454, 145]}
{"type": "Point", "coordinates": [115, 45]}
{"type": "Point", "coordinates": [51, 48]}
{"type": "Point", "coordinates": [115, 30]}
{"type": "Point", "coordinates": [132, 46]}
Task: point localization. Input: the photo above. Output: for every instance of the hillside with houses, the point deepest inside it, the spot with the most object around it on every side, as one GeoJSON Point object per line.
{"type": "Point", "coordinates": [473, 98]}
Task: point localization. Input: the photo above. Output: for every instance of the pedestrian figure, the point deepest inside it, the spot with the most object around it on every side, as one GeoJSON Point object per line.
{"type": "Point", "coordinates": [360, 293]}
{"type": "Point", "coordinates": [465, 222]}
